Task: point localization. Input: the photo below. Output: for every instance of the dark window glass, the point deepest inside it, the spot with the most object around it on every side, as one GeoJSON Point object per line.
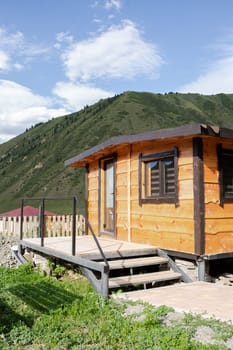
{"type": "Point", "coordinates": [169, 176]}
{"type": "Point", "coordinates": [160, 178]}
{"type": "Point", "coordinates": [227, 175]}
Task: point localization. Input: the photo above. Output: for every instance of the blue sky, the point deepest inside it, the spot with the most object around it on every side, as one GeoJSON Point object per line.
{"type": "Point", "coordinates": [57, 56]}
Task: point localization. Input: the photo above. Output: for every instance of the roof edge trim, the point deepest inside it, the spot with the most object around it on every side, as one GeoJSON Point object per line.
{"type": "Point", "coordinates": [185, 130]}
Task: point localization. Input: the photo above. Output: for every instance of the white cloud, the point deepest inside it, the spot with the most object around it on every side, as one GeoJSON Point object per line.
{"type": "Point", "coordinates": [109, 4]}
{"type": "Point", "coordinates": [218, 75]}
{"type": "Point", "coordinates": [4, 61]}
{"type": "Point", "coordinates": [15, 50]}
{"type": "Point", "coordinates": [63, 38]}
{"type": "Point", "coordinates": [9, 45]}
{"type": "Point", "coordinates": [76, 96]}
{"type": "Point", "coordinates": [119, 52]}
{"type": "Point", "coordinates": [20, 108]}
{"type": "Point", "coordinates": [95, 4]}
{"type": "Point", "coordinates": [11, 40]}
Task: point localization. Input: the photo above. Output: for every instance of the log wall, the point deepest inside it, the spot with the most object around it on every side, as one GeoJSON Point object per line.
{"type": "Point", "coordinates": [164, 225]}
{"type": "Point", "coordinates": [93, 195]}
{"type": "Point", "coordinates": [218, 219]}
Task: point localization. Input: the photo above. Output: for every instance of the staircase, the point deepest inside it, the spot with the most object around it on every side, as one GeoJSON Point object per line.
{"type": "Point", "coordinates": [134, 272]}
{"type": "Point", "coordinates": [114, 265]}
{"type": "Point", "coordinates": [137, 272]}
{"type": "Point", "coordinates": [124, 264]}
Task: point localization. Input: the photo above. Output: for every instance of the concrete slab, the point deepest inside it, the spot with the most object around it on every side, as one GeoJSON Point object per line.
{"type": "Point", "coordinates": [198, 297]}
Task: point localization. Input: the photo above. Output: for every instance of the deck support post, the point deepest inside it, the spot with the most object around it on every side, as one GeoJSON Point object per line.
{"type": "Point", "coordinates": [20, 249]}
{"type": "Point", "coordinates": [42, 223]}
{"type": "Point", "coordinates": [74, 228]}
{"type": "Point", "coordinates": [104, 283]}
{"type": "Point", "coordinates": [21, 220]}
{"type": "Point", "coordinates": [203, 269]}
{"type": "Point", "coordinates": [100, 285]}
{"type": "Point", "coordinates": [201, 263]}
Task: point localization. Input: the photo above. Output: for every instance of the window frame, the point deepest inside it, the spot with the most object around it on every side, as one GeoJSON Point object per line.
{"type": "Point", "coordinates": [221, 152]}
{"type": "Point", "coordinates": [161, 198]}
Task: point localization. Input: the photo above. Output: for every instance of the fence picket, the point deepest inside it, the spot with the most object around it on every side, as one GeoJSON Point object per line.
{"type": "Point", "coordinates": [60, 225]}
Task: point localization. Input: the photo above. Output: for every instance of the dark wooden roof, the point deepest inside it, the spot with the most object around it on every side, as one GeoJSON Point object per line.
{"type": "Point", "coordinates": [186, 130]}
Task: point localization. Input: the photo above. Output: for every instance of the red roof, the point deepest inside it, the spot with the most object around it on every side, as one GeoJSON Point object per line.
{"type": "Point", "coordinates": [27, 211]}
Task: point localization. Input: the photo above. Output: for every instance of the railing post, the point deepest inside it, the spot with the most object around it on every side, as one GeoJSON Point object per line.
{"type": "Point", "coordinates": [42, 223]}
{"type": "Point", "coordinates": [74, 227]}
{"type": "Point", "coordinates": [21, 220]}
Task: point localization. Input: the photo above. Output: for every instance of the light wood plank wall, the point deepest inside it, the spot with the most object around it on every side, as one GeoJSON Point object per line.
{"type": "Point", "coordinates": [165, 225]}
{"type": "Point", "coordinates": [162, 225]}
{"type": "Point", "coordinates": [92, 206]}
{"type": "Point", "coordinates": [218, 220]}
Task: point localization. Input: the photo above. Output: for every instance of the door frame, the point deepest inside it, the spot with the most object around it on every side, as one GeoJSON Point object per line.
{"type": "Point", "coordinates": [101, 198]}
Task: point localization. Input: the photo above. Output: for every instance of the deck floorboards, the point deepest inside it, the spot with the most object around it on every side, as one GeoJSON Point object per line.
{"type": "Point", "coordinates": [86, 247]}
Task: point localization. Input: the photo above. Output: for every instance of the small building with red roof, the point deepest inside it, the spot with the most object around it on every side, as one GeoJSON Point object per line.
{"type": "Point", "coordinates": [27, 211]}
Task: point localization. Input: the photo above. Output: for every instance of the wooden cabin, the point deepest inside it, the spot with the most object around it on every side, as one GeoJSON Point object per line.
{"type": "Point", "coordinates": [171, 188]}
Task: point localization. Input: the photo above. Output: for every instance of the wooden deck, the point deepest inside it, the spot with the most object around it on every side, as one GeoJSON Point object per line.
{"type": "Point", "coordinates": [121, 264]}
{"type": "Point", "coordinates": [86, 247]}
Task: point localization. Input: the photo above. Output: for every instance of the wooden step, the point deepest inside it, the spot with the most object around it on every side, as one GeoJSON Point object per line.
{"type": "Point", "coordinates": [145, 278]}
{"type": "Point", "coordinates": [136, 262]}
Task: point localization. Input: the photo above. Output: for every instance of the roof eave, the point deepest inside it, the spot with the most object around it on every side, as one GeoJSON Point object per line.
{"type": "Point", "coordinates": [186, 130]}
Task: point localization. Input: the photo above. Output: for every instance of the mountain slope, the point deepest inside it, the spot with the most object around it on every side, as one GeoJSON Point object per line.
{"type": "Point", "coordinates": [32, 164]}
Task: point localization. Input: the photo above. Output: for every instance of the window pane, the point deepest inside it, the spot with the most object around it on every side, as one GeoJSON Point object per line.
{"type": "Point", "coordinates": [169, 176]}
{"type": "Point", "coordinates": [107, 198]}
{"type": "Point", "coordinates": [153, 165]}
{"type": "Point", "coordinates": [158, 178]}
{"type": "Point", "coordinates": [155, 178]}
{"type": "Point", "coordinates": [152, 179]}
{"type": "Point", "coordinates": [109, 184]}
{"type": "Point", "coordinates": [227, 163]}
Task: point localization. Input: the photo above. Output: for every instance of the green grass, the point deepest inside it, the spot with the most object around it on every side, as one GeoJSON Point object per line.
{"type": "Point", "coordinates": [38, 312]}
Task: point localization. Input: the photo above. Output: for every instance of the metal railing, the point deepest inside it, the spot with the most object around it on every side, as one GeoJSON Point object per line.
{"type": "Point", "coordinates": [75, 204]}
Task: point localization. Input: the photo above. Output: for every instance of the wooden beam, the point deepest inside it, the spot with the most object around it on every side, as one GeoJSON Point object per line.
{"type": "Point", "coordinates": [86, 196]}
{"type": "Point", "coordinates": [198, 191]}
{"type": "Point", "coordinates": [129, 193]}
{"type": "Point", "coordinates": [77, 260]}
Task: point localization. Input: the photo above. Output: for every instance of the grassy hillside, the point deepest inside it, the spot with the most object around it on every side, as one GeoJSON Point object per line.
{"type": "Point", "coordinates": [32, 164]}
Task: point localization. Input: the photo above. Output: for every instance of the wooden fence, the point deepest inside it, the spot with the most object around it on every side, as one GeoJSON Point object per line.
{"type": "Point", "coordinates": [59, 225]}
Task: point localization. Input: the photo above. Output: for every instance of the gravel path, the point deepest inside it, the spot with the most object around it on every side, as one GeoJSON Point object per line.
{"type": "Point", "coordinates": [6, 258]}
